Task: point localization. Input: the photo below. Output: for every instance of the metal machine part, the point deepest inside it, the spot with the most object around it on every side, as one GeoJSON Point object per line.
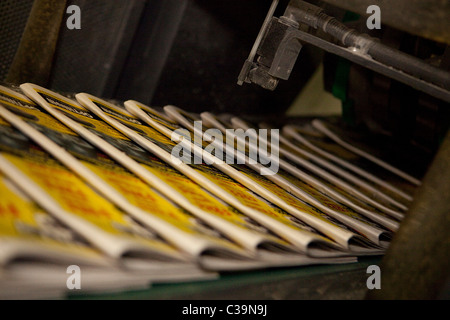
{"type": "Point", "coordinates": [282, 41]}
{"type": "Point", "coordinates": [416, 266]}
{"type": "Point", "coordinates": [387, 87]}
{"type": "Point", "coordinates": [428, 19]}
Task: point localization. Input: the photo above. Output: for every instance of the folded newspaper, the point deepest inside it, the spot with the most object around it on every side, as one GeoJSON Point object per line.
{"type": "Point", "coordinates": [37, 247]}
{"type": "Point", "coordinates": [103, 174]}
{"type": "Point", "coordinates": [32, 243]}
{"type": "Point", "coordinates": [320, 222]}
{"type": "Point", "coordinates": [317, 143]}
{"type": "Point", "coordinates": [226, 189]}
{"type": "Point", "coordinates": [332, 173]}
{"type": "Point", "coordinates": [302, 170]}
{"type": "Point", "coordinates": [280, 189]}
{"type": "Point", "coordinates": [130, 195]}
{"type": "Point", "coordinates": [270, 250]}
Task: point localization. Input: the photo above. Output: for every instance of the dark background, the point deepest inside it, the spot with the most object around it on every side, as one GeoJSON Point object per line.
{"type": "Point", "coordinates": [183, 52]}
{"type": "Point", "coordinates": [189, 53]}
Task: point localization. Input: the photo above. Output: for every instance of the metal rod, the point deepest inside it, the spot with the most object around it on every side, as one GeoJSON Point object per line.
{"type": "Point", "coordinates": [380, 52]}
{"type": "Point", "coordinates": [261, 33]}
{"type": "Point", "coordinates": [376, 66]}
{"type": "Point", "coordinates": [258, 40]}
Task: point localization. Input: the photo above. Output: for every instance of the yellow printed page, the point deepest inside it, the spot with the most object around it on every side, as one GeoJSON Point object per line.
{"type": "Point", "coordinates": [284, 195]}
{"type": "Point", "coordinates": [74, 196]}
{"type": "Point", "coordinates": [158, 117]}
{"type": "Point", "coordinates": [144, 197]}
{"type": "Point", "coordinates": [141, 195]}
{"type": "Point", "coordinates": [14, 209]}
{"type": "Point", "coordinates": [250, 200]}
{"type": "Point", "coordinates": [30, 112]}
{"type": "Point", "coordinates": [185, 186]}
{"type": "Point", "coordinates": [81, 115]}
{"type": "Point", "coordinates": [21, 219]}
{"type": "Point", "coordinates": [129, 120]}
{"type": "Point", "coordinates": [123, 181]}
{"type": "Point", "coordinates": [324, 199]}
{"type": "Point", "coordinates": [361, 203]}
{"type": "Point", "coordinates": [313, 192]}
{"type": "Point", "coordinates": [246, 197]}
{"type": "Point", "coordinates": [189, 189]}
{"type": "Point", "coordinates": [196, 195]}
{"type": "Point", "coordinates": [70, 192]}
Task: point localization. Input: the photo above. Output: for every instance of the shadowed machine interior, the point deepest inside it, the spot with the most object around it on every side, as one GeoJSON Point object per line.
{"type": "Point", "coordinates": [348, 75]}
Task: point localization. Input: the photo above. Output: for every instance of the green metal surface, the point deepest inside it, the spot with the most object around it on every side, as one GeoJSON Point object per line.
{"type": "Point", "coordinates": [321, 282]}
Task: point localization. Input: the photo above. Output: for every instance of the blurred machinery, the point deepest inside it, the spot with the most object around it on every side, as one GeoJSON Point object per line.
{"type": "Point", "coordinates": [189, 53]}
{"type": "Point", "coordinates": [393, 82]}
{"type": "Point", "coordinates": [393, 85]}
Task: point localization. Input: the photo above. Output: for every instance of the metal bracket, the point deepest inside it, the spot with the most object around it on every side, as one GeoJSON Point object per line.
{"type": "Point", "coordinates": [280, 41]}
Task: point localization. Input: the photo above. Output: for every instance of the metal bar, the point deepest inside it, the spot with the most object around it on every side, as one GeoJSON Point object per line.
{"type": "Point", "coordinates": [373, 65]}
{"type": "Point", "coordinates": [262, 31]}
{"type": "Point", "coordinates": [428, 19]}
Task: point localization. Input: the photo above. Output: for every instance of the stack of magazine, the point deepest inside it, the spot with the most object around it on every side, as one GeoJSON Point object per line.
{"type": "Point", "coordinates": [123, 195]}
